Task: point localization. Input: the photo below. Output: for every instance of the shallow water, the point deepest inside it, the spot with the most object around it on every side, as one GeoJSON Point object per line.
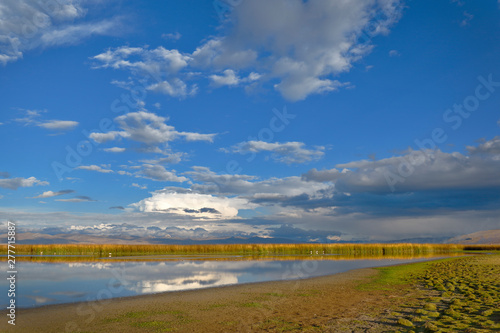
{"type": "Point", "coordinates": [43, 283]}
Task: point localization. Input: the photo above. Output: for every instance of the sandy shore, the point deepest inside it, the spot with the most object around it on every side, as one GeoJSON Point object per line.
{"type": "Point", "coordinates": [328, 303]}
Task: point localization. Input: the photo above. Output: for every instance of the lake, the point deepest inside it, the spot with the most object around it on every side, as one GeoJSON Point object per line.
{"type": "Point", "coordinates": [44, 283]}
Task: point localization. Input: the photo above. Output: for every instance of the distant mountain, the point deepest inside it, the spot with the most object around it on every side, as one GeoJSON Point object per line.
{"type": "Point", "coordinates": [480, 237]}
{"type": "Point", "coordinates": [422, 240]}
{"type": "Point", "coordinates": [39, 238]}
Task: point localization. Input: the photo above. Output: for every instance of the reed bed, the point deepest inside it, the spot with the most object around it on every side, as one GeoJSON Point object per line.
{"type": "Point", "coordinates": [482, 247]}
{"type": "Point", "coordinates": [105, 250]}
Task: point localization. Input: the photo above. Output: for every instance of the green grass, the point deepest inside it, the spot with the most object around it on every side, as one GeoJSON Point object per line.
{"type": "Point", "coordinates": [154, 326]}
{"type": "Point", "coordinates": [464, 294]}
{"type": "Point", "coordinates": [252, 305]}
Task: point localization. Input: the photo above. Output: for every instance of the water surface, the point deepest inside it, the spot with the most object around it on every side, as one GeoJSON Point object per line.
{"type": "Point", "coordinates": [43, 283]}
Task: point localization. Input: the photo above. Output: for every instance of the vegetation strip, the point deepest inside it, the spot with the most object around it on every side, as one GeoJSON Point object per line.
{"type": "Point", "coordinates": [105, 250]}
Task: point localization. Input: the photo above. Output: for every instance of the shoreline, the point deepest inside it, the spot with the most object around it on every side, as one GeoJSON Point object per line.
{"type": "Point", "coordinates": [224, 308]}
{"type": "Point", "coordinates": [245, 283]}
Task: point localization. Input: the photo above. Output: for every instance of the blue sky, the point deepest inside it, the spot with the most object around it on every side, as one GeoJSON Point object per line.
{"type": "Point", "coordinates": [373, 120]}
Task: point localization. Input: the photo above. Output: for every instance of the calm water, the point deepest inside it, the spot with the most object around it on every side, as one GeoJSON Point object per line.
{"type": "Point", "coordinates": [52, 283]}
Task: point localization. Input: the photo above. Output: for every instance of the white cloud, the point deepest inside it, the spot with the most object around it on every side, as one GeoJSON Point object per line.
{"type": "Point", "coordinates": [15, 183]}
{"type": "Point", "coordinates": [287, 152]}
{"type": "Point", "coordinates": [174, 87]}
{"type": "Point", "coordinates": [298, 52]}
{"type": "Point", "coordinates": [160, 64]}
{"type": "Point", "coordinates": [193, 204]}
{"type": "Point", "coordinates": [142, 187]}
{"type": "Point", "coordinates": [59, 124]}
{"type": "Point", "coordinates": [27, 24]}
{"type": "Point", "coordinates": [394, 53]}
{"type": "Point", "coordinates": [103, 137]}
{"type": "Point", "coordinates": [114, 150]}
{"type": "Point", "coordinates": [228, 78]}
{"type": "Point", "coordinates": [73, 34]}
{"type": "Point", "coordinates": [94, 168]}
{"type": "Point", "coordinates": [49, 194]}
{"type": "Point", "coordinates": [147, 128]}
{"type": "Point", "coordinates": [31, 117]}
{"type": "Point", "coordinates": [173, 36]}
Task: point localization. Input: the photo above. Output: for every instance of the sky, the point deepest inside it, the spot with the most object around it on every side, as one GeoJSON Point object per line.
{"type": "Point", "coordinates": [368, 120]}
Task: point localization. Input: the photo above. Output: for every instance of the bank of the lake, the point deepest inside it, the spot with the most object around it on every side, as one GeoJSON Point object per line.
{"type": "Point", "coordinates": [425, 296]}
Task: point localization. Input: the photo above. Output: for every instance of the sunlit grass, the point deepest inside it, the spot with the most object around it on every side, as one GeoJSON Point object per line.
{"type": "Point", "coordinates": [114, 250]}
{"type": "Point", "coordinates": [464, 294]}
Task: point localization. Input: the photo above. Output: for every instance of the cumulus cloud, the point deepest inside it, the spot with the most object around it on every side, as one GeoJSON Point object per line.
{"type": "Point", "coordinates": [298, 52]}
{"type": "Point", "coordinates": [229, 78]}
{"type": "Point", "coordinates": [49, 194]}
{"type": "Point", "coordinates": [193, 204]}
{"type": "Point", "coordinates": [287, 152]}
{"type": "Point", "coordinates": [15, 183]}
{"type": "Point", "coordinates": [489, 147]}
{"type": "Point", "coordinates": [27, 24]}
{"type": "Point", "coordinates": [94, 168]}
{"type": "Point", "coordinates": [160, 64]}
{"type": "Point", "coordinates": [147, 128]}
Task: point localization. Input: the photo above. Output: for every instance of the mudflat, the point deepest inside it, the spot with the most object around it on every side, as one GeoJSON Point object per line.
{"type": "Point", "coordinates": [322, 304]}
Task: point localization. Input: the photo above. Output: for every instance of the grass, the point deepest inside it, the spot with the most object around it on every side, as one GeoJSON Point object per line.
{"type": "Point", "coordinates": [153, 321]}
{"type": "Point", "coordinates": [252, 305]}
{"type": "Point", "coordinates": [457, 294]}
{"type": "Point", "coordinates": [104, 250]}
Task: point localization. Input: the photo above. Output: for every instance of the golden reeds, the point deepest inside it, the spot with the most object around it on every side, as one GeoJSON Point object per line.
{"type": "Point", "coordinates": [104, 250]}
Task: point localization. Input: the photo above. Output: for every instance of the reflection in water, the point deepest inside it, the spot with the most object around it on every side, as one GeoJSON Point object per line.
{"type": "Point", "coordinates": [218, 257]}
{"type": "Point", "coordinates": [197, 281]}
{"type": "Point", "coordinates": [42, 283]}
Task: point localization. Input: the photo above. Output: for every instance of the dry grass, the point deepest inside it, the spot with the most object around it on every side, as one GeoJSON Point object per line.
{"type": "Point", "coordinates": [103, 250]}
